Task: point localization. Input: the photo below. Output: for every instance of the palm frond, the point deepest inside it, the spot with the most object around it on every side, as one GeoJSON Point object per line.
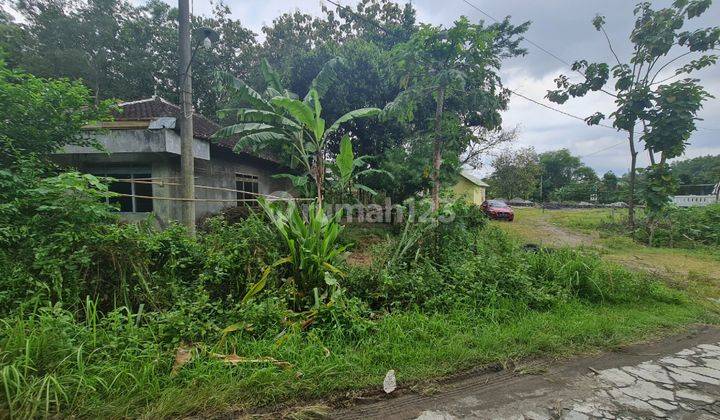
{"type": "Point", "coordinates": [243, 129]}
{"type": "Point", "coordinates": [244, 94]}
{"type": "Point", "coordinates": [356, 114]}
{"type": "Point", "coordinates": [272, 78]}
{"type": "Point", "coordinates": [326, 78]}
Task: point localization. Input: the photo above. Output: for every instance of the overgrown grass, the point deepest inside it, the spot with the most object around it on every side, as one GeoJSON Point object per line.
{"type": "Point", "coordinates": [166, 332]}
{"type": "Point", "coordinates": [119, 371]}
{"type": "Point", "coordinates": [696, 270]}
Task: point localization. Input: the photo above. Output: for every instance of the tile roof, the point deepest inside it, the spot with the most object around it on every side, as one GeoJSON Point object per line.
{"type": "Point", "coordinates": [203, 128]}
{"type": "Point", "coordinates": [156, 107]}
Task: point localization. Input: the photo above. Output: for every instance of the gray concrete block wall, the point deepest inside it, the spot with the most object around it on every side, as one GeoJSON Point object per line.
{"type": "Point", "coordinates": [146, 151]}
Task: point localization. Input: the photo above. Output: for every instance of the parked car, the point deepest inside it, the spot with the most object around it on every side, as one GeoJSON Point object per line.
{"type": "Point", "coordinates": [498, 209]}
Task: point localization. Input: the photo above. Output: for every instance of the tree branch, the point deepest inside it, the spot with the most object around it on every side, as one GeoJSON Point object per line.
{"type": "Point", "coordinates": [667, 64]}
{"type": "Point", "coordinates": [610, 45]}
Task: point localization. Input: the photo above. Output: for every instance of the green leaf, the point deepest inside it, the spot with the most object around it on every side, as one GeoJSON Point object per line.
{"type": "Point", "coordinates": [315, 103]}
{"type": "Point", "coordinates": [267, 117]}
{"type": "Point", "coordinates": [358, 113]}
{"type": "Point", "coordinates": [244, 93]}
{"type": "Point", "coordinates": [257, 140]}
{"type": "Point", "coordinates": [272, 78]}
{"type": "Point", "coordinates": [298, 181]}
{"type": "Point", "coordinates": [260, 285]}
{"type": "Point", "coordinates": [325, 78]}
{"type": "Point", "coordinates": [297, 109]}
{"type": "Point", "coordinates": [243, 129]}
{"type": "Point", "coordinates": [345, 160]}
{"type": "Point", "coordinates": [366, 189]}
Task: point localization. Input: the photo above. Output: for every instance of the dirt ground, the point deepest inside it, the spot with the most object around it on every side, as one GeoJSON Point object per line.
{"type": "Point", "coordinates": [676, 377]}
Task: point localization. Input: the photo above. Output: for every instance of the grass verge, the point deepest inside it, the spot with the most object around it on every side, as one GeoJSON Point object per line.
{"type": "Point", "coordinates": [418, 346]}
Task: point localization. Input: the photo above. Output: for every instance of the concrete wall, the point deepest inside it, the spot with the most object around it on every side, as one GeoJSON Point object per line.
{"type": "Point", "coordinates": [694, 200]}
{"type": "Point", "coordinates": [218, 170]}
{"type": "Point", "coordinates": [139, 141]}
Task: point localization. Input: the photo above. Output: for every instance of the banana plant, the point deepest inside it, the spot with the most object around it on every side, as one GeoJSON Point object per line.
{"type": "Point", "coordinates": [288, 119]}
{"type": "Point", "coordinates": [313, 252]}
{"type": "Point", "coordinates": [347, 170]}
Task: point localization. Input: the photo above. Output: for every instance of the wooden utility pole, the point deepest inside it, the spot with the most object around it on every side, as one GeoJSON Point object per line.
{"type": "Point", "coordinates": [187, 160]}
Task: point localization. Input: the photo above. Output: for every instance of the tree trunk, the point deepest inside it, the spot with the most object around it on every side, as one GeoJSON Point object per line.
{"type": "Point", "coordinates": [633, 165]}
{"type": "Point", "coordinates": [437, 149]}
{"type": "Point", "coordinates": [319, 176]}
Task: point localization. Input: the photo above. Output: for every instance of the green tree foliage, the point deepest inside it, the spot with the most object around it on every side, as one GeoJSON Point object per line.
{"type": "Point", "coordinates": [516, 173]}
{"type": "Point", "coordinates": [699, 170]}
{"type": "Point", "coordinates": [133, 57]}
{"type": "Point", "coordinates": [125, 51]}
{"type": "Point", "coordinates": [666, 113]}
{"type": "Point", "coordinates": [46, 115]}
{"type": "Point", "coordinates": [565, 177]}
{"type": "Point", "coordinates": [362, 36]}
{"type": "Point", "coordinates": [459, 66]}
{"type": "Point", "coordinates": [609, 188]}
{"type": "Point", "coordinates": [558, 169]}
{"type": "Point", "coordinates": [283, 118]}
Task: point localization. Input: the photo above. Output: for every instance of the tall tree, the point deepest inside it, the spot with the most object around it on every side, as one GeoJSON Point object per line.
{"type": "Point", "coordinates": [699, 170]}
{"type": "Point", "coordinates": [456, 66]}
{"type": "Point", "coordinates": [559, 168]}
{"type": "Point", "coordinates": [516, 173]}
{"type": "Point", "coordinates": [124, 51]}
{"type": "Point", "coordinates": [46, 115]}
{"type": "Point", "coordinates": [664, 113]}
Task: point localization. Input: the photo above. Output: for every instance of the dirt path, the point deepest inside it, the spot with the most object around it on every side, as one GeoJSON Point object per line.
{"type": "Point", "coordinates": [681, 266]}
{"type": "Point", "coordinates": [538, 229]}
{"type": "Point", "coordinates": [557, 236]}
{"type": "Point", "coordinates": [677, 377]}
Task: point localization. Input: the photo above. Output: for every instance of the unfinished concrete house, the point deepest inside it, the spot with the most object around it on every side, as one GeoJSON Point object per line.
{"type": "Point", "coordinates": [141, 147]}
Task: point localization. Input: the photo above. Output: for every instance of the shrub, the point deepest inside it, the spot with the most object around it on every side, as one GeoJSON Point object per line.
{"type": "Point", "coordinates": [313, 252]}
{"type": "Point", "coordinates": [683, 227]}
{"type": "Point", "coordinates": [47, 226]}
{"type": "Point", "coordinates": [60, 242]}
{"type": "Point", "coordinates": [487, 270]}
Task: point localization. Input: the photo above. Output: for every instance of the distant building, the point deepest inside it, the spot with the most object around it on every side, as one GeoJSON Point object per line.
{"type": "Point", "coordinates": [471, 187]}
{"type": "Point", "coordinates": [142, 148]}
{"type": "Point", "coordinates": [698, 200]}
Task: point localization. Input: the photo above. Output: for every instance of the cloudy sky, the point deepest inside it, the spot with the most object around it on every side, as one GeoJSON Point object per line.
{"type": "Point", "coordinates": [562, 27]}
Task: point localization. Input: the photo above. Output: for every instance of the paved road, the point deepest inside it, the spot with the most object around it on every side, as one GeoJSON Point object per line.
{"type": "Point", "coordinates": [678, 378]}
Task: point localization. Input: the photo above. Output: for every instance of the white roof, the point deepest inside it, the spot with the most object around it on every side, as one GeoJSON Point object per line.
{"type": "Point", "coordinates": [470, 176]}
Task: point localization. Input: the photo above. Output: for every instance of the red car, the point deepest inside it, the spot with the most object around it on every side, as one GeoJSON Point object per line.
{"type": "Point", "coordinates": [497, 209]}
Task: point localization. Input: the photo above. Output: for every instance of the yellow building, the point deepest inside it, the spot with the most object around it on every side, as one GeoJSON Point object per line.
{"type": "Point", "coordinates": [471, 187]}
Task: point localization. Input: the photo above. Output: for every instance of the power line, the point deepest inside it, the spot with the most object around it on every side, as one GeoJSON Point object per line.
{"type": "Point", "coordinates": [529, 41]}
{"type": "Point", "coordinates": [558, 58]}
{"type": "Point", "coordinates": [603, 149]}
{"type": "Point", "coordinates": [571, 116]}
{"type": "Point", "coordinates": [558, 110]}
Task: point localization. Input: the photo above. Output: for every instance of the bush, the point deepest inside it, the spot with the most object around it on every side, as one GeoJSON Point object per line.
{"type": "Point", "coordinates": [60, 243]}
{"type": "Point", "coordinates": [487, 270]}
{"type": "Point", "coordinates": [47, 226]}
{"type": "Point", "coordinates": [683, 227]}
